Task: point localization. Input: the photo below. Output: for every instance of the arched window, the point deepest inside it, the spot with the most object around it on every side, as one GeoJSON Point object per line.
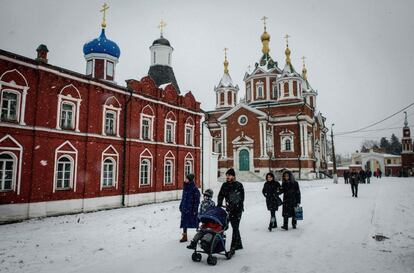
{"type": "Point", "coordinates": [7, 171]}
{"type": "Point", "coordinates": [221, 98]}
{"type": "Point", "coordinates": [110, 123]}
{"type": "Point", "coordinates": [287, 145]}
{"type": "Point", "coordinates": [248, 93]}
{"type": "Point", "coordinates": [168, 172]}
{"type": "Point", "coordinates": [145, 172]}
{"type": "Point", "coordinates": [260, 91]}
{"type": "Point", "coordinates": [188, 167]}
{"type": "Point", "coordinates": [229, 98]}
{"type": "Point", "coordinates": [109, 173]}
{"type": "Point", "coordinates": [286, 89]}
{"type": "Point", "coordinates": [274, 90]}
{"type": "Point", "coordinates": [64, 173]}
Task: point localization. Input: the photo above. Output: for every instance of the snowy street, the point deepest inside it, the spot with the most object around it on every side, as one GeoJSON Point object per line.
{"type": "Point", "coordinates": [335, 236]}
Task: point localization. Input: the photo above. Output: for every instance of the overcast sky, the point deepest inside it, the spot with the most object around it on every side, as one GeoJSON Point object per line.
{"type": "Point", "coordinates": [359, 54]}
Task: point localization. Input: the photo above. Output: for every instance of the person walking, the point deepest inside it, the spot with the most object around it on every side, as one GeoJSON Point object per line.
{"type": "Point", "coordinates": [233, 192]}
{"type": "Point", "coordinates": [362, 176]}
{"type": "Point", "coordinates": [291, 198]}
{"type": "Point", "coordinates": [368, 174]}
{"type": "Point", "coordinates": [271, 191]}
{"type": "Point", "coordinates": [346, 177]}
{"type": "Point", "coordinates": [354, 183]}
{"type": "Point", "coordinates": [189, 206]}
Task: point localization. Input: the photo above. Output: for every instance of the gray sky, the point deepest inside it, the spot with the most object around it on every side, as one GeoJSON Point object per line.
{"type": "Point", "coordinates": [360, 54]}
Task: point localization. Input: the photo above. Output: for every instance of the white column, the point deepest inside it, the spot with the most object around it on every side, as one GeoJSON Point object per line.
{"type": "Point", "coordinates": [223, 140]}
{"type": "Point", "coordinates": [290, 88]}
{"type": "Point", "coordinates": [301, 140]}
{"type": "Point", "coordinates": [305, 139]}
{"type": "Point", "coordinates": [23, 107]}
{"type": "Point", "coordinates": [58, 114]}
{"type": "Point", "coordinates": [252, 98]}
{"type": "Point", "coordinates": [118, 121]}
{"type": "Point", "coordinates": [77, 114]}
{"type": "Point", "coordinates": [262, 138]}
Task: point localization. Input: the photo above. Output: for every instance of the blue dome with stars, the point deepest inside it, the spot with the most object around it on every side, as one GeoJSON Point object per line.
{"type": "Point", "coordinates": [102, 45]}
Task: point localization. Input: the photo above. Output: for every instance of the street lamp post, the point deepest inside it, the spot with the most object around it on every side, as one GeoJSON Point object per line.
{"type": "Point", "coordinates": [335, 176]}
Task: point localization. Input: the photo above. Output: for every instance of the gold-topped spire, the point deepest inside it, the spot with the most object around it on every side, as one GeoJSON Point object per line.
{"type": "Point", "coordinates": [161, 26]}
{"type": "Point", "coordinates": [304, 70]}
{"type": "Point", "coordinates": [287, 51]}
{"type": "Point", "coordinates": [226, 63]}
{"type": "Point", "coordinates": [105, 7]}
{"type": "Point", "coordinates": [265, 37]}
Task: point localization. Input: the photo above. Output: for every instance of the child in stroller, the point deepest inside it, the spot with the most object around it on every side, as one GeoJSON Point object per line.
{"type": "Point", "coordinates": [211, 235]}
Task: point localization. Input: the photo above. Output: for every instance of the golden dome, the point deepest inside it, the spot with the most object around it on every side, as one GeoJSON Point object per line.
{"type": "Point", "coordinates": [265, 36]}
{"type": "Point", "coordinates": [287, 53]}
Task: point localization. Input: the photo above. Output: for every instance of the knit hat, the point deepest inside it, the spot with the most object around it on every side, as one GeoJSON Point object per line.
{"type": "Point", "coordinates": [230, 172]}
{"type": "Point", "coordinates": [190, 176]}
{"type": "Point", "coordinates": [209, 193]}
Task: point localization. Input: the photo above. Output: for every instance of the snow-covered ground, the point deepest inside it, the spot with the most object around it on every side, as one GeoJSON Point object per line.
{"type": "Point", "coordinates": [336, 236]}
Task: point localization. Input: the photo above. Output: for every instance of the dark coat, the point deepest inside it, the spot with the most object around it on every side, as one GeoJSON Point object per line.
{"type": "Point", "coordinates": [271, 193]}
{"type": "Point", "coordinates": [354, 178]}
{"type": "Point", "coordinates": [189, 205]}
{"type": "Point", "coordinates": [234, 194]}
{"type": "Point", "coordinates": [291, 196]}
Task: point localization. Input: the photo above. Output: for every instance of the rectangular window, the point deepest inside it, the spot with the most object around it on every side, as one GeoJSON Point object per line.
{"type": "Point", "coordinates": [188, 136]}
{"type": "Point", "coordinates": [66, 117]}
{"type": "Point", "coordinates": [144, 173]}
{"type": "Point", "coordinates": [146, 128]}
{"type": "Point", "coordinates": [64, 169]}
{"type": "Point", "coordinates": [89, 68]}
{"type": "Point", "coordinates": [110, 69]}
{"type": "Point", "coordinates": [168, 172]}
{"type": "Point", "coordinates": [9, 106]}
{"type": "Point", "coordinates": [169, 133]}
{"type": "Point", "coordinates": [108, 174]}
{"type": "Point", "coordinates": [110, 123]}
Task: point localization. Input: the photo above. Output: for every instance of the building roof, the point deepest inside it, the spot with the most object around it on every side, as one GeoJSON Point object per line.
{"type": "Point", "coordinates": [102, 45]}
{"type": "Point", "coordinates": [162, 74]}
{"type": "Point", "coordinates": [161, 41]}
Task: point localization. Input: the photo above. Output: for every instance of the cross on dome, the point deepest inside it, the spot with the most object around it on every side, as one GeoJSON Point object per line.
{"type": "Point", "coordinates": [161, 26]}
{"type": "Point", "coordinates": [105, 7]}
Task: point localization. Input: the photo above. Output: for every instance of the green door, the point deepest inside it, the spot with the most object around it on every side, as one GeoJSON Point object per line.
{"type": "Point", "coordinates": [244, 160]}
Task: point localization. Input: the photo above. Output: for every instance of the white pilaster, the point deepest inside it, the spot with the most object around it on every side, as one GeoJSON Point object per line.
{"type": "Point", "coordinates": [268, 88]}
{"type": "Point", "coordinates": [23, 106]}
{"type": "Point", "coordinates": [224, 140]}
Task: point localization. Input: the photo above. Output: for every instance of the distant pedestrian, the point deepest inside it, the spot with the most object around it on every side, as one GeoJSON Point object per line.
{"type": "Point", "coordinates": [189, 206]}
{"type": "Point", "coordinates": [291, 198]}
{"type": "Point", "coordinates": [233, 192]}
{"type": "Point", "coordinates": [346, 177]}
{"type": "Point", "coordinates": [271, 191]}
{"type": "Point", "coordinates": [362, 176]}
{"type": "Point", "coordinates": [369, 174]}
{"type": "Point", "coordinates": [354, 183]}
{"type": "Point", "coordinates": [379, 173]}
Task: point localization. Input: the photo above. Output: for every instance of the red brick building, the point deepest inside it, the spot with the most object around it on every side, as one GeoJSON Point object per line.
{"type": "Point", "coordinates": [72, 142]}
{"type": "Point", "coordinates": [407, 154]}
{"type": "Point", "coordinates": [276, 125]}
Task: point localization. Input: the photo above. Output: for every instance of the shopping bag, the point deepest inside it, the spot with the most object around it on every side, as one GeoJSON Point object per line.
{"type": "Point", "coordinates": [299, 213]}
{"type": "Point", "coordinates": [279, 201]}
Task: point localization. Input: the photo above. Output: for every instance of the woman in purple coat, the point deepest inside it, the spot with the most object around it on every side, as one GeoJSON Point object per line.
{"type": "Point", "coordinates": [189, 206]}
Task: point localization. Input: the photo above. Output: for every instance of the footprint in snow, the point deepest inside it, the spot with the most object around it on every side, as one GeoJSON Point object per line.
{"type": "Point", "coordinates": [245, 269]}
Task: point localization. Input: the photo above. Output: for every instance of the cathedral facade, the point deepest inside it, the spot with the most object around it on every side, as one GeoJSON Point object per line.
{"type": "Point", "coordinates": [275, 126]}
{"type": "Point", "coordinates": [73, 142]}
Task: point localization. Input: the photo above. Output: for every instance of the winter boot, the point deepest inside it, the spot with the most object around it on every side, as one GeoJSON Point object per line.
{"type": "Point", "coordinates": [285, 223]}
{"type": "Point", "coordinates": [184, 238]}
{"type": "Point", "coordinates": [294, 222]}
{"type": "Point", "coordinates": [192, 245]}
{"type": "Point", "coordinates": [270, 226]}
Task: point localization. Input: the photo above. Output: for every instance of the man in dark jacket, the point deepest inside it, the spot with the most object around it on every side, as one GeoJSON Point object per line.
{"type": "Point", "coordinates": [291, 198]}
{"type": "Point", "coordinates": [233, 192]}
{"type": "Point", "coordinates": [354, 180]}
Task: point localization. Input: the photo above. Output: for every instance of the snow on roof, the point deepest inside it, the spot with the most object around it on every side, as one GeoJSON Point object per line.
{"type": "Point", "coordinates": [163, 86]}
{"type": "Point", "coordinates": [226, 81]}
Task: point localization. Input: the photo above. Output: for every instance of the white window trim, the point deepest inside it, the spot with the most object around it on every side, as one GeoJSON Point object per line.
{"type": "Point", "coordinates": [14, 171]}
{"type": "Point", "coordinates": [173, 123]}
{"type": "Point", "coordinates": [274, 90]}
{"type": "Point", "coordinates": [68, 99]}
{"type": "Point", "coordinates": [283, 143]}
{"type": "Point", "coordinates": [74, 157]}
{"type": "Point", "coordinates": [191, 127]}
{"type": "Point", "coordinates": [18, 103]}
{"type": "Point", "coordinates": [188, 158]}
{"type": "Point", "coordinates": [115, 157]}
{"type": "Point", "coordinates": [260, 84]}
{"type": "Point", "coordinates": [71, 173]}
{"type": "Point", "coordinates": [151, 126]}
{"type": "Point", "coordinates": [150, 159]}
{"type": "Point", "coordinates": [117, 111]}
{"type": "Point", "coordinates": [169, 157]}
{"type": "Point", "coordinates": [74, 115]}
{"type": "Point", "coordinates": [19, 149]}
{"type": "Point", "coordinates": [106, 69]}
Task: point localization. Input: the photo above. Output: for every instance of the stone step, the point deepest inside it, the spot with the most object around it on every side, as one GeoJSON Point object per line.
{"type": "Point", "coordinates": [244, 176]}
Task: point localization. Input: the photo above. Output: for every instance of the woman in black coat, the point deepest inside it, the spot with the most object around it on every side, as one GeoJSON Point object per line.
{"type": "Point", "coordinates": [291, 198]}
{"type": "Point", "coordinates": [271, 193]}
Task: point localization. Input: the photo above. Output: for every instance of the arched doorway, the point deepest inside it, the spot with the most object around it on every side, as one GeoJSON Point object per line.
{"type": "Point", "coordinates": [244, 160]}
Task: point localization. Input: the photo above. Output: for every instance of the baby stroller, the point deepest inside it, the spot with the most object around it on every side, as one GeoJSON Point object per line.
{"type": "Point", "coordinates": [212, 241]}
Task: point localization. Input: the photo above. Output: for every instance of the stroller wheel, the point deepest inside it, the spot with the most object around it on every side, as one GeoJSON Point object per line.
{"type": "Point", "coordinates": [196, 257]}
{"type": "Point", "coordinates": [211, 260]}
